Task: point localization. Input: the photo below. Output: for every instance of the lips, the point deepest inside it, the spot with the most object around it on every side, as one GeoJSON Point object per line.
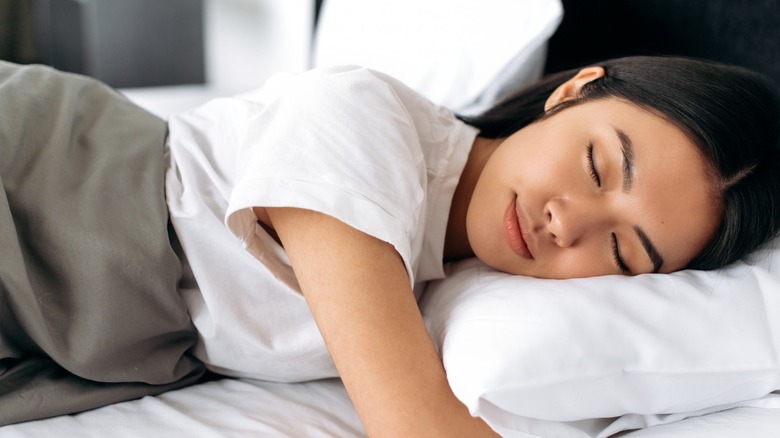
{"type": "Point", "coordinates": [514, 231]}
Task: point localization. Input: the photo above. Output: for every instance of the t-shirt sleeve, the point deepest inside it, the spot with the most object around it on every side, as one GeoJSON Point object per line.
{"type": "Point", "coordinates": [339, 142]}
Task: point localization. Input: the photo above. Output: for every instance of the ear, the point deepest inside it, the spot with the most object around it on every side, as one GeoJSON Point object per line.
{"type": "Point", "coordinates": [571, 88]}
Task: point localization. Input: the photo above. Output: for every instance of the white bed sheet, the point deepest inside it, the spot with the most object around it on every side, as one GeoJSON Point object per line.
{"type": "Point", "coordinates": [223, 408]}
{"type": "Point", "coordinates": [244, 408]}
{"type": "Point", "coordinates": [743, 422]}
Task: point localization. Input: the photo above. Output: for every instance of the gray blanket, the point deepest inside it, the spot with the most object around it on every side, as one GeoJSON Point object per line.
{"type": "Point", "coordinates": [89, 311]}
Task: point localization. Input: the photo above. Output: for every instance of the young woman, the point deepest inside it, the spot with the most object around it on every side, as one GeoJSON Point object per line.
{"type": "Point", "coordinates": [351, 190]}
{"type": "Point", "coordinates": [330, 198]}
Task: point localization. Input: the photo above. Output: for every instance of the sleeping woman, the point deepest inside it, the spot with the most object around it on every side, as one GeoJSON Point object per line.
{"type": "Point", "coordinates": [322, 204]}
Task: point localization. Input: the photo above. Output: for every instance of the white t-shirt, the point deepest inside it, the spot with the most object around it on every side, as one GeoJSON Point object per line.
{"type": "Point", "coordinates": [348, 142]}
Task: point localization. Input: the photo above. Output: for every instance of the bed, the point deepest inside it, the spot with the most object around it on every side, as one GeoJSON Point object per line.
{"type": "Point", "coordinates": [681, 356]}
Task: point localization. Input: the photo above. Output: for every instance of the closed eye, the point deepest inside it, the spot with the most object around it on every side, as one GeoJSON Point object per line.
{"type": "Point", "coordinates": [592, 166]}
{"type": "Point", "coordinates": [616, 257]}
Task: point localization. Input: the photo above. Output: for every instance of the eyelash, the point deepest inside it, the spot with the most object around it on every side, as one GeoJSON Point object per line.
{"type": "Point", "coordinates": [616, 256]}
{"type": "Point", "coordinates": [592, 166]}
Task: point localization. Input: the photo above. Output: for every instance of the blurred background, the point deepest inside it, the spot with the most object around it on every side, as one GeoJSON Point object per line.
{"type": "Point", "coordinates": [167, 55]}
{"type": "Point", "coordinates": [170, 55]}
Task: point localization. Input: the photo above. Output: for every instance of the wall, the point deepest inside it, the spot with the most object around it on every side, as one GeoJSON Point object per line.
{"type": "Point", "coordinates": [246, 42]}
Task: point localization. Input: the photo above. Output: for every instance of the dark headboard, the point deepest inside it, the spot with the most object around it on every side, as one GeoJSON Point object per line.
{"type": "Point", "coordinates": [742, 32]}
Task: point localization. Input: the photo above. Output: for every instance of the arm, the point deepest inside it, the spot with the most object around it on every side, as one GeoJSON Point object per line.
{"type": "Point", "coordinates": [358, 291]}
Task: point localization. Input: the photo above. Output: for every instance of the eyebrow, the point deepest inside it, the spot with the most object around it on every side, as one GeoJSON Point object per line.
{"type": "Point", "coordinates": [627, 150]}
{"type": "Point", "coordinates": [652, 252]}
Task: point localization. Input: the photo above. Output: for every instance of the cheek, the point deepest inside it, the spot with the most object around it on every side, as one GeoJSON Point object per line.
{"type": "Point", "coordinates": [578, 262]}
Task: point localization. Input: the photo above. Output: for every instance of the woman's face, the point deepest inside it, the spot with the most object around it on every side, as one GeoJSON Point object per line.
{"type": "Point", "coordinates": [602, 187]}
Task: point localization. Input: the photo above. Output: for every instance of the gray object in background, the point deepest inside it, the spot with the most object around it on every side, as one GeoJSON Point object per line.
{"type": "Point", "coordinates": [124, 43]}
{"type": "Point", "coordinates": [17, 31]}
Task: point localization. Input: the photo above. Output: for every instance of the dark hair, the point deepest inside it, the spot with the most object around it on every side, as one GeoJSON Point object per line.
{"type": "Point", "coordinates": [732, 114]}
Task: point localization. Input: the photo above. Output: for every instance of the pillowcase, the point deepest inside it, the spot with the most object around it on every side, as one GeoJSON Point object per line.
{"type": "Point", "coordinates": [464, 55]}
{"type": "Point", "coordinates": [567, 350]}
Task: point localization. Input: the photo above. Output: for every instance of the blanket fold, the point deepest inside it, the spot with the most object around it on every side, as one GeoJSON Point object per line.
{"type": "Point", "coordinates": [89, 308]}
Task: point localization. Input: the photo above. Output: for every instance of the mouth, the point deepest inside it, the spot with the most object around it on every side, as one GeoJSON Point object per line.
{"type": "Point", "coordinates": [514, 231]}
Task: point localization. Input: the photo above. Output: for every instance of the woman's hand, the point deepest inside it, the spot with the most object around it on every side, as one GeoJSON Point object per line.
{"type": "Point", "coordinates": [359, 294]}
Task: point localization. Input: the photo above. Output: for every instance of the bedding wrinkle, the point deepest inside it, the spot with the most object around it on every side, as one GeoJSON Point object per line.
{"type": "Point", "coordinates": [90, 313]}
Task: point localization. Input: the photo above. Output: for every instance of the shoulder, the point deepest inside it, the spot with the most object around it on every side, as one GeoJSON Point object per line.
{"type": "Point", "coordinates": [349, 78]}
{"type": "Point", "coordinates": [351, 87]}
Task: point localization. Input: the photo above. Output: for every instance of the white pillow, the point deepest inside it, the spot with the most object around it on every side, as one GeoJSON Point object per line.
{"type": "Point", "coordinates": [566, 350]}
{"type": "Point", "coordinates": [462, 54]}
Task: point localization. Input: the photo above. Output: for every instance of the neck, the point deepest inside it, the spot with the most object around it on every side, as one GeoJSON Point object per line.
{"type": "Point", "coordinates": [456, 241]}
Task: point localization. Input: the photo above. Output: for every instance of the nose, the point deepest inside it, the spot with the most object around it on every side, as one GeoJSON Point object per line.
{"type": "Point", "coordinates": [569, 220]}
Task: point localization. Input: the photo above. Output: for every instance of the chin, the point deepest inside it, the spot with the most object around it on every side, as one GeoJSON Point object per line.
{"type": "Point", "coordinates": [505, 266]}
